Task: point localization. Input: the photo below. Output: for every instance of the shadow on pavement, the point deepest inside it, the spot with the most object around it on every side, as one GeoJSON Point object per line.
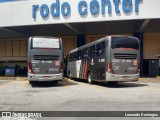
{"type": "Point", "coordinates": [52, 84]}
{"type": "Point", "coordinates": [119, 85]}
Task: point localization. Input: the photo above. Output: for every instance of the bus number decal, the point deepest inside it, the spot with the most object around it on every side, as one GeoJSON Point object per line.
{"type": "Point", "coordinates": [35, 61]}
{"type": "Point", "coordinates": [116, 60]}
{"type": "Point", "coordinates": [102, 60]}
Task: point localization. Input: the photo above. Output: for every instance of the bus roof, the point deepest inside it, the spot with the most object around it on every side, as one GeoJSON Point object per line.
{"type": "Point", "coordinates": [99, 40]}
{"type": "Point", "coordinates": [45, 37]}
{"type": "Point", "coordinates": [88, 44]}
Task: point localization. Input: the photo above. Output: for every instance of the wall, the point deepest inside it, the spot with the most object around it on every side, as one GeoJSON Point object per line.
{"type": "Point", "coordinates": [91, 38]}
{"type": "Point", "coordinates": [69, 43]}
{"type": "Point", "coordinates": [151, 45]}
{"type": "Point", "coordinates": [13, 50]}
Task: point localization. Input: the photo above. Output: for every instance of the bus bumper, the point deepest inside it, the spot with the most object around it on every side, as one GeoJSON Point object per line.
{"type": "Point", "coordinates": [122, 78]}
{"type": "Point", "coordinates": [46, 77]}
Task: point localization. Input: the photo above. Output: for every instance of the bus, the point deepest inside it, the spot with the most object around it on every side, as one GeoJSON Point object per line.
{"type": "Point", "coordinates": [45, 59]}
{"type": "Point", "coordinates": [111, 59]}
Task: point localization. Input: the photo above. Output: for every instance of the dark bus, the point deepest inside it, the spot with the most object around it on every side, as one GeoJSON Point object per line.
{"type": "Point", "coordinates": [110, 59]}
{"type": "Point", "coordinates": [45, 59]}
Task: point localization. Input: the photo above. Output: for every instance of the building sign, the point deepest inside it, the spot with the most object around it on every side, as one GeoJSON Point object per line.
{"type": "Point", "coordinates": [94, 7]}
{"type": "Point", "coordinates": [6, 1]}
{"type": "Point", "coordinates": [37, 12]}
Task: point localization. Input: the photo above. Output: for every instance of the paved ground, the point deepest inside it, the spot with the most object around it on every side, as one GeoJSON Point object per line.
{"type": "Point", "coordinates": [71, 95]}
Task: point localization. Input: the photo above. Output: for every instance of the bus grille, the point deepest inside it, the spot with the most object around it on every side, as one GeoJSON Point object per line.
{"type": "Point", "coordinates": [125, 56]}
{"type": "Point", "coordinates": [45, 57]}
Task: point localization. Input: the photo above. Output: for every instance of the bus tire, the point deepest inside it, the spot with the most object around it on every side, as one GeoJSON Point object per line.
{"type": "Point", "coordinates": [89, 78]}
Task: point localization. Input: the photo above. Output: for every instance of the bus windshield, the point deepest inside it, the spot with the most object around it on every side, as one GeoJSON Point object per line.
{"type": "Point", "coordinates": [51, 43]}
{"type": "Point", "coordinates": [124, 42]}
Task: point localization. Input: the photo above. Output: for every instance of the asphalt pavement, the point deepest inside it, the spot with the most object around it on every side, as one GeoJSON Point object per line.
{"type": "Point", "coordinates": [78, 95]}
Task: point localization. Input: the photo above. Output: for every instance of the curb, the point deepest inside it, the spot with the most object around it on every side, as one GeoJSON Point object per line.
{"type": "Point", "coordinates": [7, 78]}
{"type": "Point", "coordinates": [13, 78]}
{"type": "Point", "coordinates": [21, 78]}
{"type": "Point", "coordinates": [158, 77]}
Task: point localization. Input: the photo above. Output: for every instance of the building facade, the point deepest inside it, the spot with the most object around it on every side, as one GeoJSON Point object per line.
{"type": "Point", "coordinates": [79, 22]}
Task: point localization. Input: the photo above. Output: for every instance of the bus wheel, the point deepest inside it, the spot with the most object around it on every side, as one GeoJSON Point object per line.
{"type": "Point", "coordinates": [89, 78]}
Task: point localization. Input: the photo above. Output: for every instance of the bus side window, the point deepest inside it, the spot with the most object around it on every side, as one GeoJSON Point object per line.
{"type": "Point", "coordinates": [75, 56]}
{"type": "Point", "coordinates": [89, 52]}
{"type": "Point", "coordinates": [93, 51]}
{"type": "Point", "coordinates": [70, 57]}
{"type": "Point", "coordinates": [86, 53]}
{"type": "Point", "coordinates": [98, 50]}
{"type": "Point", "coordinates": [103, 46]}
{"type": "Point", "coordinates": [80, 55]}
